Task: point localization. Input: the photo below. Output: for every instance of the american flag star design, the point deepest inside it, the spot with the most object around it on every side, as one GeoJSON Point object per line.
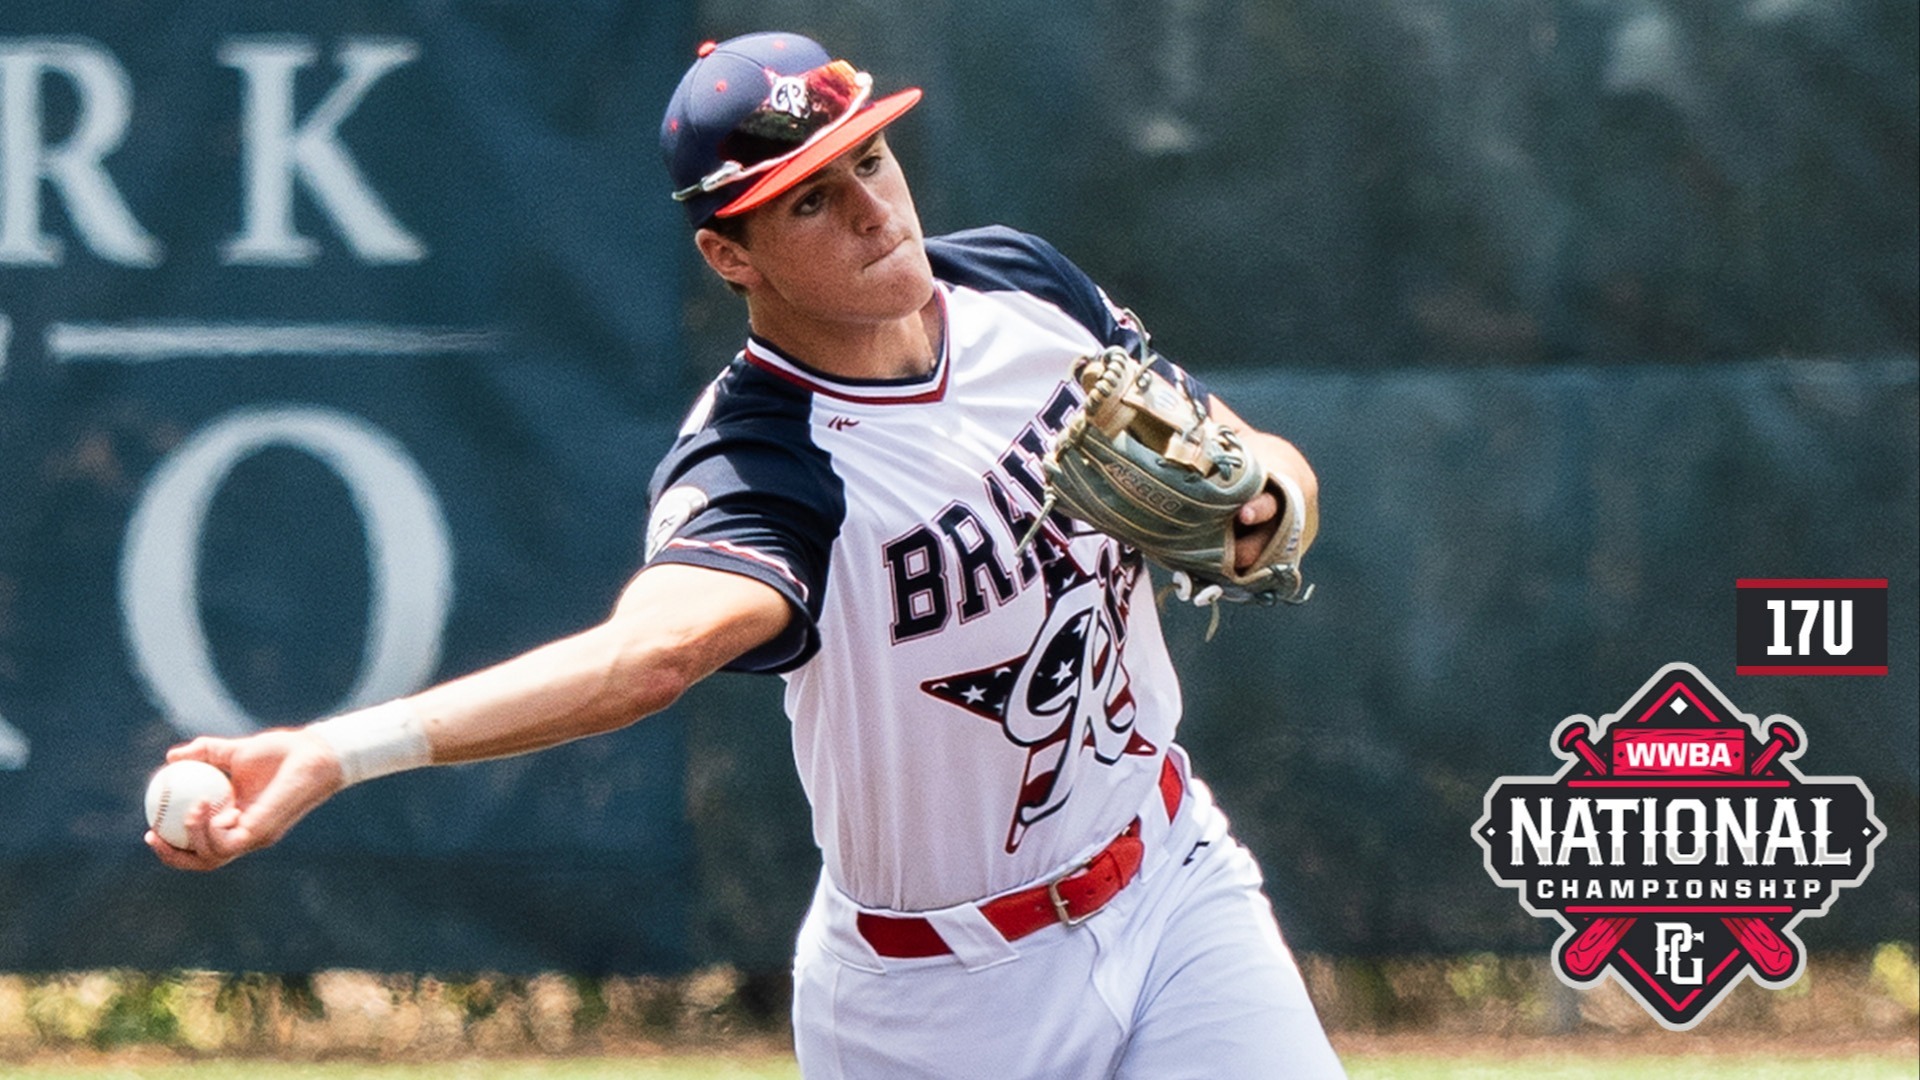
{"type": "Point", "coordinates": [1072, 678]}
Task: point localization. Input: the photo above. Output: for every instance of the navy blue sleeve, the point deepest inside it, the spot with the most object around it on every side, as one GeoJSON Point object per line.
{"type": "Point", "coordinates": [998, 258]}
{"type": "Point", "coordinates": [749, 494]}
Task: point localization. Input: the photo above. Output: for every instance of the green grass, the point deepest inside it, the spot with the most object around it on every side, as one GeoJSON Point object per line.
{"type": "Point", "coordinates": [662, 1068]}
{"type": "Point", "coordinates": [1361, 1066]}
{"type": "Point", "coordinates": [1719, 1067]}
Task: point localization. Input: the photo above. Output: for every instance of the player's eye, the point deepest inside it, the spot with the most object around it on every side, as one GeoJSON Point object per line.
{"type": "Point", "coordinates": [810, 203]}
{"type": "Point", "coordinates": [871, 163]}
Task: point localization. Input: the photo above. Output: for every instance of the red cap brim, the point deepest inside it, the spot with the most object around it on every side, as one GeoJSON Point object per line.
{"type": "Point", "coordinates": [781, 179]}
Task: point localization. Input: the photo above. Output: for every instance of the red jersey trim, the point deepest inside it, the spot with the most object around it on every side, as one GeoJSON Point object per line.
{"type": "Point", "coordinates": [932, 388]}
{"type": "Point", "coordinates": [739, 551]}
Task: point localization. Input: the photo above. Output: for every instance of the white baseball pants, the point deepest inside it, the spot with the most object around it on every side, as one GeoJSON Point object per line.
{"type": "Point", "coordinates": [1182, 975]}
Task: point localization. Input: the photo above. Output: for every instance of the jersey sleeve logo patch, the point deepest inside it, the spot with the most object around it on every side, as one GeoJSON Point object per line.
{"type": "Point", "coordinates": [671, 512]}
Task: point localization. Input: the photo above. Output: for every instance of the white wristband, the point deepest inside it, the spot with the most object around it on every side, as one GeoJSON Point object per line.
{"type": "Point", "coordinates": [374, 742]}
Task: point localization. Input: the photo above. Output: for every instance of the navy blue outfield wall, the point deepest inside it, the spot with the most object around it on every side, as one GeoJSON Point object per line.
{"type": "Point", "coordinates": [337, 343]}
{"type": "Point", "coordinates": [327, 342]}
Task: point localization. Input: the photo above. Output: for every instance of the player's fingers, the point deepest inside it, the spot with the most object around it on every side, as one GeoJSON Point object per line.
{"type": "Point", "coordinates": [199, 854]}
{"type": "Point", "coordinates": [178, 858]}
{"type": "Point", "coordinates": [245, 830]}
{"type": "Point", "coordinates": [229, 843]}
{"type": "Point", "coordinates": [224, 836]}
{"type": "Point", "coordinates": [298, 787]}
{"type": "Point", "coordinates": [214, 751]}
{"type": "Point", "coordinates": [198, 823]}
{"type": "Point", "coordinates": [1246, 550]}
{"type": "Point", "coordinates": [1257, 522]}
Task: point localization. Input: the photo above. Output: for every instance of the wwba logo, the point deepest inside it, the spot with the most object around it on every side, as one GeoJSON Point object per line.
{"type": "Point", "coordinates": [1679, 846]}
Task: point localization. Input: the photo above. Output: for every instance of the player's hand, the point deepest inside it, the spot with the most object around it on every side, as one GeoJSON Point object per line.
{"type": "Point", "coordinates": [278, 776]}
{"type": "Point", "coordinates": [1261, 517]}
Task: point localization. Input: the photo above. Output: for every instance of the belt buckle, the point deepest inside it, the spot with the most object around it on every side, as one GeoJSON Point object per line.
{"type": "Point", "coordinates": [1066, 917]}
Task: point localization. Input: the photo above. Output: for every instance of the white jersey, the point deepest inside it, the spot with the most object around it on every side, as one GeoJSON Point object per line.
{"type": "Point", "coordinates": [967, 718]}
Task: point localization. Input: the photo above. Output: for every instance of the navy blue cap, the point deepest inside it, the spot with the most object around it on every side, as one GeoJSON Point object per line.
{"type": "Point", "coordinates": [756, 114]}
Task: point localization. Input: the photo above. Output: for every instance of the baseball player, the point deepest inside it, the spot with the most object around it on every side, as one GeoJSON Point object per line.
{"type": "Point", "coordinates": [1022, 877]}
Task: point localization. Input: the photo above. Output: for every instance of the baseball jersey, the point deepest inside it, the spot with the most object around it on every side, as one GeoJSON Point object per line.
{"type": "Point", "coordinates": [968, 716]}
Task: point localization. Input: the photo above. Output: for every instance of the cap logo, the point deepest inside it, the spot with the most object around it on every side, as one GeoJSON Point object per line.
{"type": "Point", "coordinates": [789, 95]}
{"type": "Point", "coordinates": [796, 114]}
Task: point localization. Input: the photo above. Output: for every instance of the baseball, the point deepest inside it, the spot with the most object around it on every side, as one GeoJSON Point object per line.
{"type": "Point", "coordinates": [176, 789]}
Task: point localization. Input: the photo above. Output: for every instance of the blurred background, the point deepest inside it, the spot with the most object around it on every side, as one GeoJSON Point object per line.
{"type": "Point", "coordinates": [338, 342]}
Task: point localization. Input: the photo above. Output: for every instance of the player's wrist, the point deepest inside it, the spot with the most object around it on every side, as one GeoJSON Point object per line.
{"type": "Point", "coordinates": [376, 741]}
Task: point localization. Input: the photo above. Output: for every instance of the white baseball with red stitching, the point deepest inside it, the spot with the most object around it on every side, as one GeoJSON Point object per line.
{"type": "Point", "coordinates": [176, 789]}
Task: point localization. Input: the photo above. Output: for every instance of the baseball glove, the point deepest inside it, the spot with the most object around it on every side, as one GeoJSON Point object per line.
{"type": "Point", "coordinates": [1142, 462]}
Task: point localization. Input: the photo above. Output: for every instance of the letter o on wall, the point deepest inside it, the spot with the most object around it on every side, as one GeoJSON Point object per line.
{"type": "Point", "coordinates": [410, 561]}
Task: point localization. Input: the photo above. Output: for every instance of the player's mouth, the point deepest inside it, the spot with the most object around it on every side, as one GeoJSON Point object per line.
{"type": "Point", "coordinates": [891, 250]}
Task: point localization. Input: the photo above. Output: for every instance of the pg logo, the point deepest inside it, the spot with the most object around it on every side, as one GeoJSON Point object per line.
{"type": "Point", "coordinates": [1672, 940]}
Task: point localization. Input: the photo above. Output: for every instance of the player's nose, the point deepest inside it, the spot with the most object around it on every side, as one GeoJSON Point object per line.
{"type": "Point", "coordinates": [867, 207]}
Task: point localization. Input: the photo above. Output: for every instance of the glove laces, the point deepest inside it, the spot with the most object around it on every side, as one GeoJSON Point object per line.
{"type": "Point", "coordinates": [1207, 596]}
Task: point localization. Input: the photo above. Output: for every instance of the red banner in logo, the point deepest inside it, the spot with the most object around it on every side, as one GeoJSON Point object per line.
{"type": "Point", "coordinates": [1690, 753]}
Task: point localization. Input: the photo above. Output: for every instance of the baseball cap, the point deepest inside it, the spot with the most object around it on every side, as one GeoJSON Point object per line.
{"type": "Point", "coordinates": [759, 113]}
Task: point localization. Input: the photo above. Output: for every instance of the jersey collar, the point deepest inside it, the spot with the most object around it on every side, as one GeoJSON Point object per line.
{"type": "Point", "coordinates": [915, 390]}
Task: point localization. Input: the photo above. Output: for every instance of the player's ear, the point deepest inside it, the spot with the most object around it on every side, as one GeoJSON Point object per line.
{"type": "Point", "coordinates": [728, 258]}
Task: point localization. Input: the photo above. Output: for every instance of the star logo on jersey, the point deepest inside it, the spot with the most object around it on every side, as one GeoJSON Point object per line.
{"type": "Point", "coordinates": [1070, 691]}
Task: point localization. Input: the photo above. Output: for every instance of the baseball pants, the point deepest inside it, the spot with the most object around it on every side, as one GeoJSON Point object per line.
{"type": "Point", "coordinates": [1182, 975]}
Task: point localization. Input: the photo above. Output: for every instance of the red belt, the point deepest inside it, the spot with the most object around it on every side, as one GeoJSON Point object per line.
{"type": "Point", "coordinates": [1068, 899]}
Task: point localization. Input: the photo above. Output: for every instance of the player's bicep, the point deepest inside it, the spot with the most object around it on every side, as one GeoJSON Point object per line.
{"type": "Point", "coordinates": [746, 506]}
{"type": "Point", "coordinates": [705, 618]}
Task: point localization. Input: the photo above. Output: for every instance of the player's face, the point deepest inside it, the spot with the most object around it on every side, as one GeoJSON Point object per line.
{"type": "Point", "coordinates": [843, 246]}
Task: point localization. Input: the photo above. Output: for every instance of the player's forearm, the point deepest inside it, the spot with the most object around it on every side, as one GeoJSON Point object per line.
{"type": "Point", "coordinates": [593, 682]}
{"type": "Point", "coordinates": [674, 626]}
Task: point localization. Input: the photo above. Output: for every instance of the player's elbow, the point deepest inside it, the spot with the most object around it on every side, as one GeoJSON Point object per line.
{"type": "Point", "coordinates": [664, 677]}
{"type": "Point", "coordinates": [648, 674]}
{"type": "Point", "coordinates": [675, 625]}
